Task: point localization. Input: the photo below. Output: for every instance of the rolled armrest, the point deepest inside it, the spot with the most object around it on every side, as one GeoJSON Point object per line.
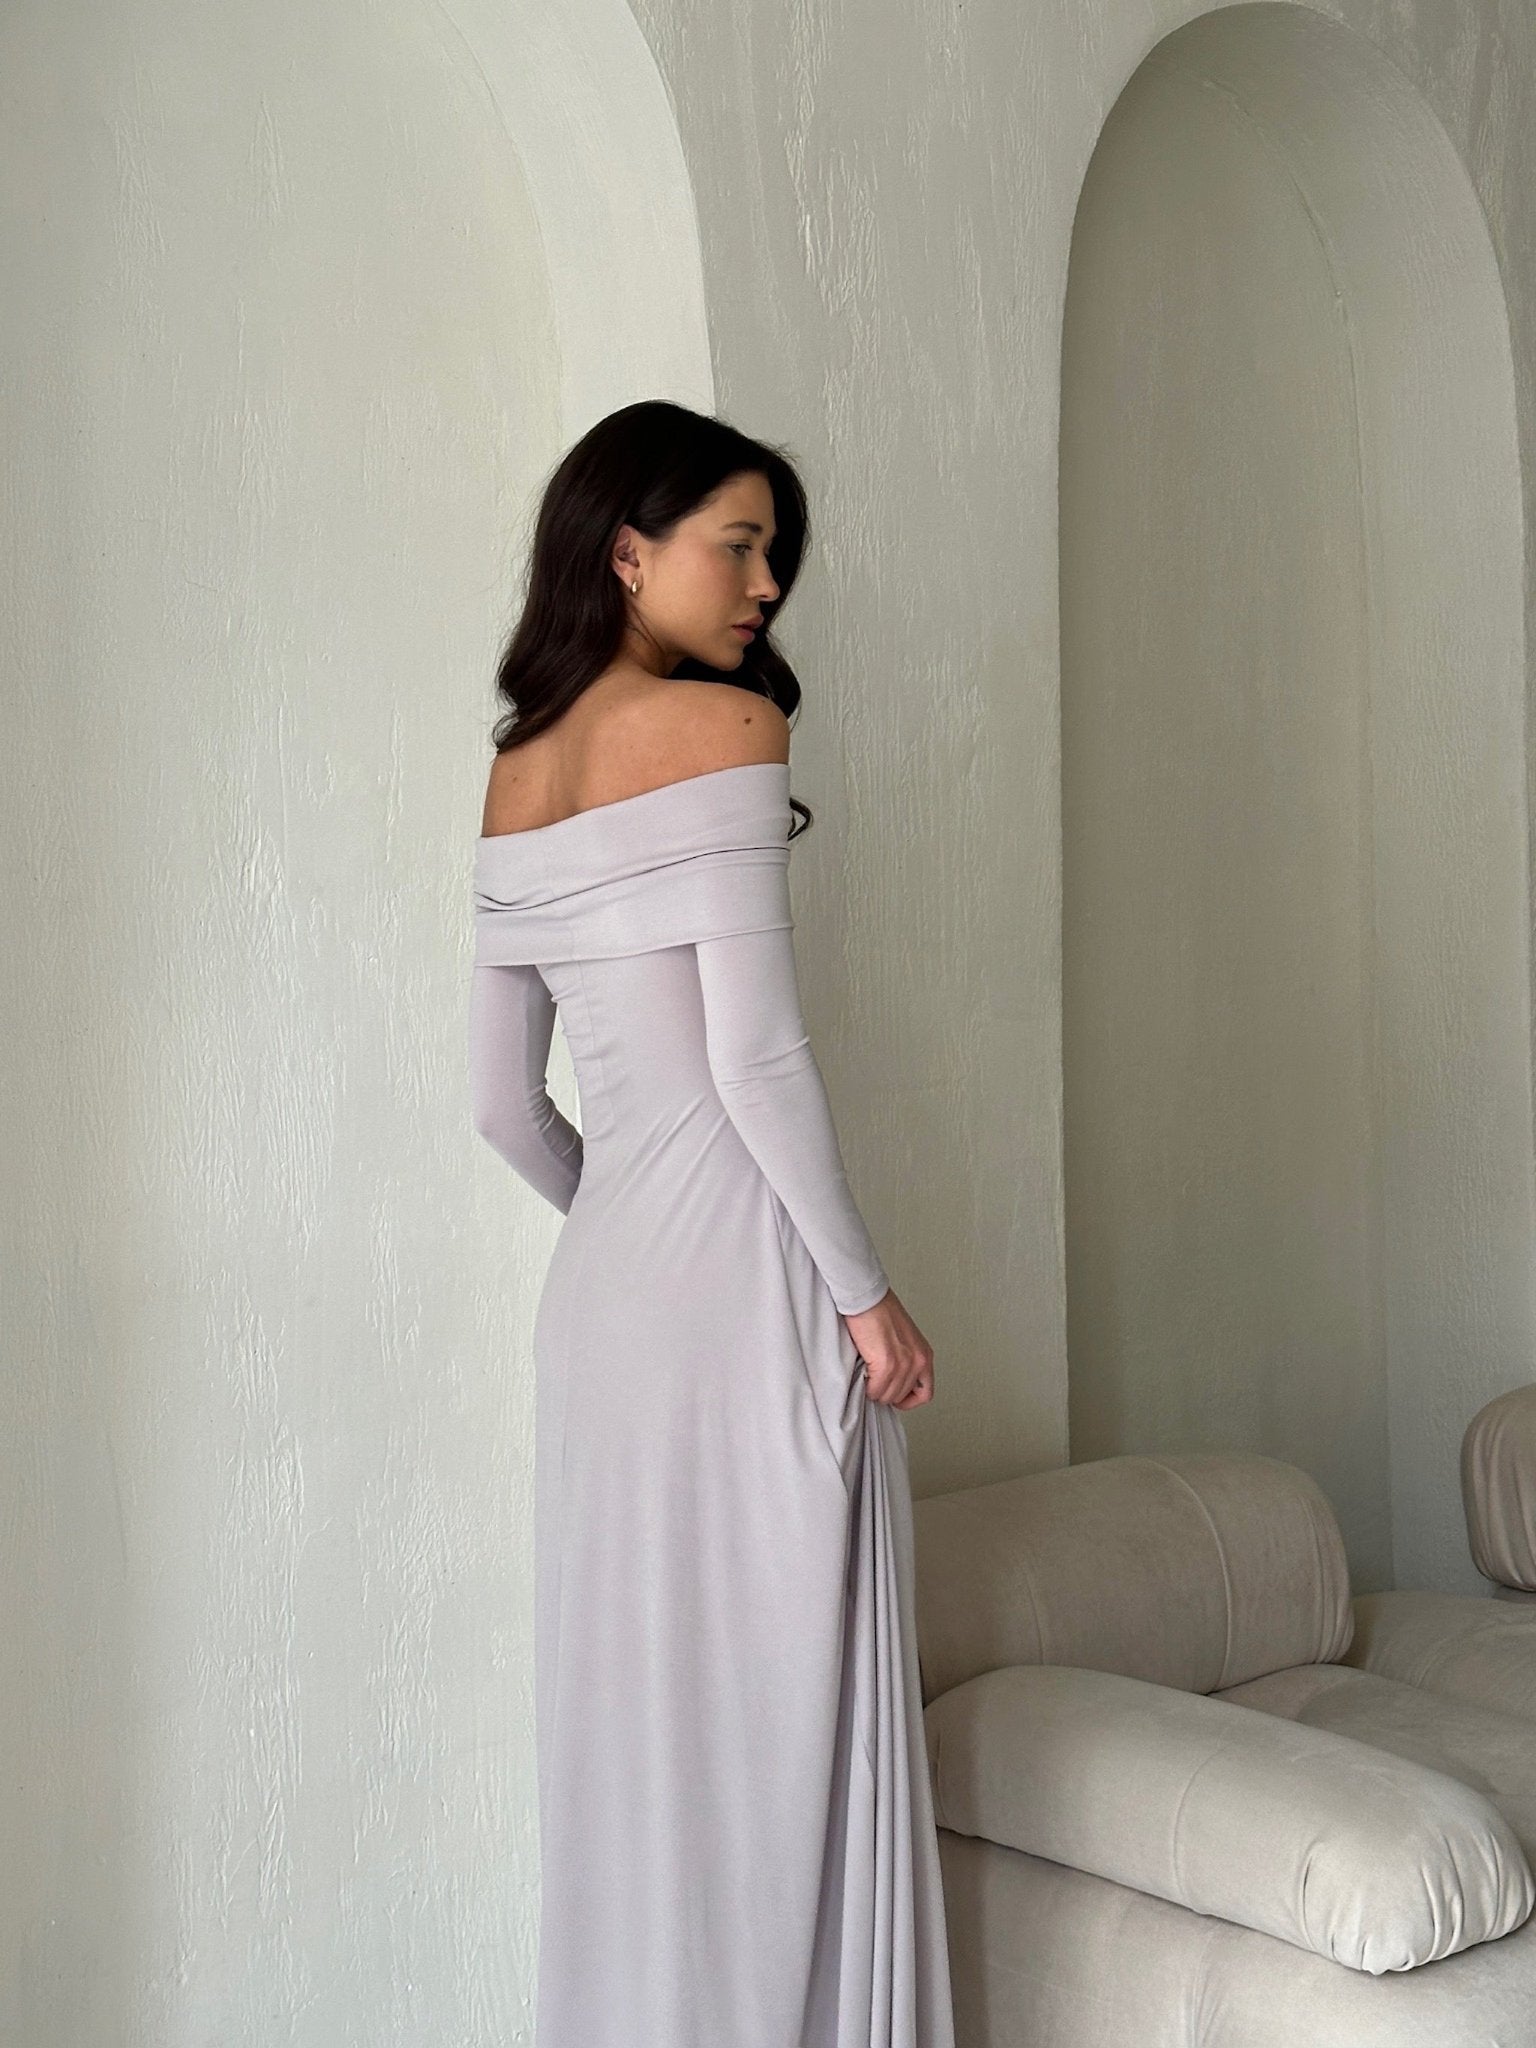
{"type": "Point", "coordinates": [1316, 1838]}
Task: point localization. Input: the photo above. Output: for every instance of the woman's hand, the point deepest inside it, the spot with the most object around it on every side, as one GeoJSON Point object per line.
{"type": "Point", "coordinates": [898, 1359]}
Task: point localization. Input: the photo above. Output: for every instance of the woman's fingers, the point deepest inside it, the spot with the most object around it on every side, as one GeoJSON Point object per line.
{"type": "Point", "coordinates": [902, 1386]}
{"type": "Point", "coordinates": [901, 1371]}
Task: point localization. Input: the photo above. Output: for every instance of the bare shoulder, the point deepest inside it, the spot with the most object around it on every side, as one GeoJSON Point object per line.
{"type": "Point", "coordinates": [702, 726]}
{"type": "Point", "coordinates": [639, 735]}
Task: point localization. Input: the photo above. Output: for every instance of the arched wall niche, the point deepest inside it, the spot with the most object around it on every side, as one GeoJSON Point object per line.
{"type": "Point", "coordinates": [576, 89]}
{"type": "Point", "coordinates": [1296, 946]}
{"type": "Point", "coordinates": [304, 313]}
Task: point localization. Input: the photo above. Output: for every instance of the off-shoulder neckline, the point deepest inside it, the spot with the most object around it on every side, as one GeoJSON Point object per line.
{"type": "Point", "coordinates": [619, 803]}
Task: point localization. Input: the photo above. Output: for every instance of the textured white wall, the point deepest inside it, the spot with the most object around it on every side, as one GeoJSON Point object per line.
{"type": "Point", "coordinates": [887, 203]}
{"type": "Point", "coordinates": [293, 363]}
{"type": "Point", "coordinates": [302, 307]}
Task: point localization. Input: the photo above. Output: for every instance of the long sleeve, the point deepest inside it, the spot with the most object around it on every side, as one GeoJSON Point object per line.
{"type": "Point", "coordinates": [511, 1025]}
{"type": "Point", "coordinates": [773, 1091]}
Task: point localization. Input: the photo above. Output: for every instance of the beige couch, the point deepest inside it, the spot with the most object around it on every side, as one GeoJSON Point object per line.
{"type": "Point", "coordinates": [1475, 1651]}
{"type": "Point", "coordinates": [1184, 1801]}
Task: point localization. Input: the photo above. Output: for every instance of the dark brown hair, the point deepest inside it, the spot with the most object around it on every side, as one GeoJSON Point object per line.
{"type": "Point", "coordinates": [648, 465]}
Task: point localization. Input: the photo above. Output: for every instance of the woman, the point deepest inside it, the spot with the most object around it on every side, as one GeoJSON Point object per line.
{"type": "Point", "coordinates": [736, 1825]}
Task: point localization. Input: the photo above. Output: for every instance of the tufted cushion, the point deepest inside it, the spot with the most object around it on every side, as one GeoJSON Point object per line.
{"type": "Point", "coordinates": [1453, 1645]}
{"type": "Point", "coordinates": [1369, 1859]}
{"type": "Point", "coordinates": [1197, 1570]}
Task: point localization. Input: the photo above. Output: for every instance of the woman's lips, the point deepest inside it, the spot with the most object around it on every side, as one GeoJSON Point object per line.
{"type": "Point", "coordinates": [747, 630]}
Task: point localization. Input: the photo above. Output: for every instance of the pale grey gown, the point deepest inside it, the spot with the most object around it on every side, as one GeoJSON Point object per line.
{"type": "Point", "coordinates": [737, 1843]}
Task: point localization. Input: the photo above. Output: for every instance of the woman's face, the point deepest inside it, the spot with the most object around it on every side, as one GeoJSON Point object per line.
{"type": "Point", "coordinates": [708, 579]}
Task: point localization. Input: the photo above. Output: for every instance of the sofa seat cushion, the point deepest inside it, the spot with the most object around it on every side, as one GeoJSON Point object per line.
{"type": "Point", "coordinates": [1042, 1954]}
{"type": "Point", "coordinates": [1491, 1752]}
{"type": "Point", "coordinates": [1367, 1858]}
{"type": "Point", "coordinates": [1456, 1644]}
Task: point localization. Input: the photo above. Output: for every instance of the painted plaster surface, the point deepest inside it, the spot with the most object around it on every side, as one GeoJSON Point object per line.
{"type": "Point", "coordinates": [906, 189]}
{"type": "Point", "coordinates": [1295, 977]}
{"type": "Point", "coordinates": [304, 303]}
{"type": "Point", "coordinates": [286, 378]}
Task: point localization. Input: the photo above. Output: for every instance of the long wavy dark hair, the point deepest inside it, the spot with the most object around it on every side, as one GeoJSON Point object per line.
{"type": "Point", "coordinates": [648, 465]}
